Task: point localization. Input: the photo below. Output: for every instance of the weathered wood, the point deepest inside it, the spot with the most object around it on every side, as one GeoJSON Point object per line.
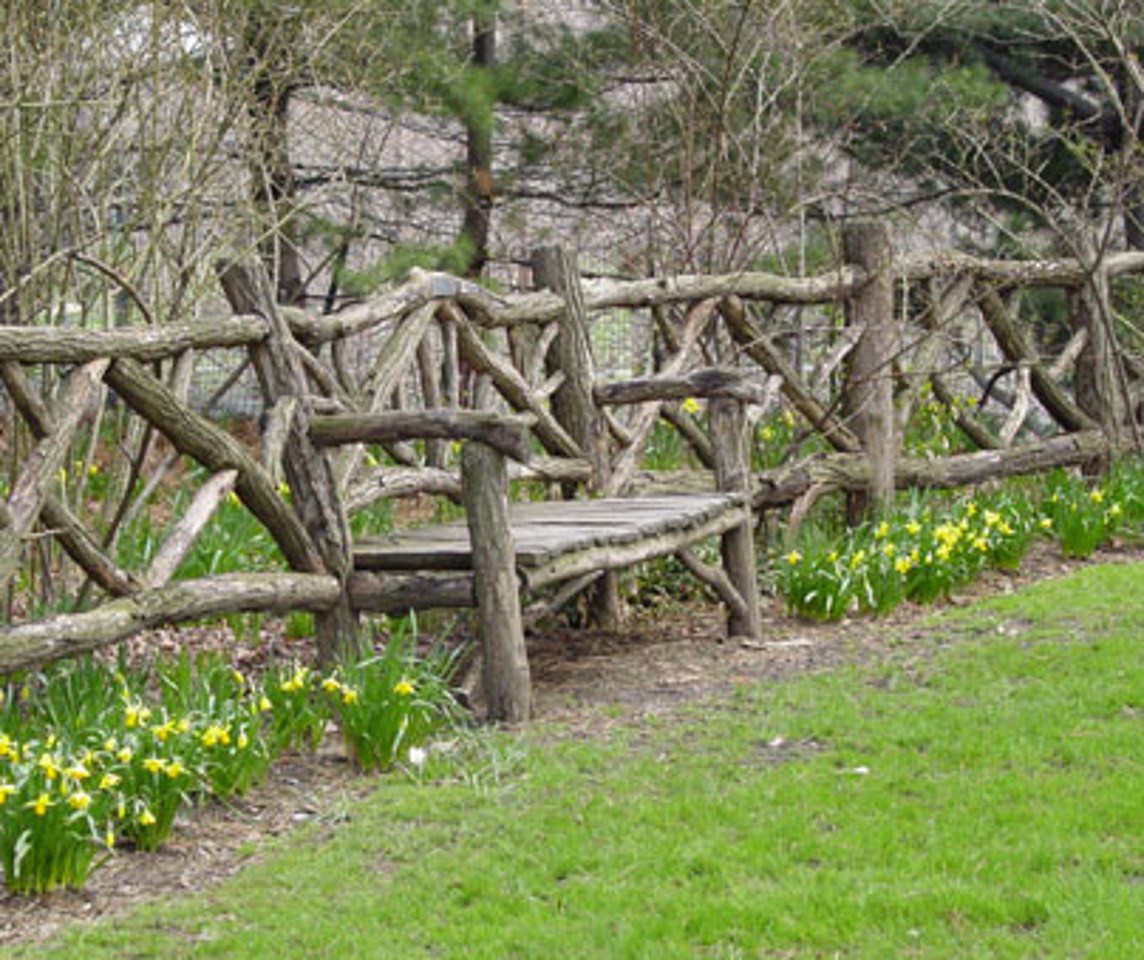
{"type": "Point", "coordinates": [569, 590]}
{"type": "Point", "coordinates": [1020, 409]}
{"type": "Point", "coordinates": [398, 593]}
{"type": "Point", "coordinates": [512, 386]}
{"type": "Point", "coordinates": [1017, 350]}
{"type": "Point", "coordinates": [393, 363]}
{"type": "Point", "coordinates": [68, 635]}
{"type": "Point", "coordinates": [732, 475]}
{"type": "Point", "coordinates": [703, 382]}
{"type": "Point", "coordinates": [946, 302]}
{"type": "Point", "coordinates": [509, 435]}
{"type": "Point", "coordinates": [217, 450]}
{"type": "Point", "coordinates": [1066, 272]}
{"type": "Point", "coordinates": [279, 423]}
{"type": "Point", "coordinates": [42, 466]}
{"type": "Point", "coordinates": [75, 345]}
{"type": "Point", "coordinates": [390, 483]}
{"type": "Point", "coordinates": [420, 290]}
{"type": "Point", "coordinates": [436, 451]}
{"type": "Point", "coordinates": [646, 414]}
{"type": "Point", "coordinates": [546, 530]}
{"type": "Point", "coordinates": [572, 403]}
{"type": "Point", "coordinates": [868, 398]}
{"type": "Point", "coordinates": [720, 583]}
{"type": "Point", "coordinates": [188, 527]}
{"type": "Point", "coordinates": [571, 355]}
{"type": "Point", "coordinates": [617, 556]}
{"type": "Point", "coordinates": [76, 540]}
{"type": "Point", "coordinates": [759, 348]}
{"type": "Point", "coordinates": [850, 472]}
{"type": "Point", "coordinates": [507, 680]}
{"type": "Point", "coordinates": [1099, 387]}
{"type": "Point", "coordinates": [309, 474]}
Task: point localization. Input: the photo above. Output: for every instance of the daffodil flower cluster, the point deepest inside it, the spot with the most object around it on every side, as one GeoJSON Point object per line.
{"type": "Point", "coordinates": [917, 556]}
{"type": "Point", "coordinates": [92, 760]}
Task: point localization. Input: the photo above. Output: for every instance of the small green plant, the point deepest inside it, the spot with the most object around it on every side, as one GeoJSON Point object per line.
{"type": "Point", "coordinates": [297, 718]}
{"type": "Point", "coordinates": [53, 821]}
{"type": "Point", "coordinates": [1080, 518]}
{"type": "Point", "coordinates": [392, 703]}
{"type": "Point", "coordinates": [817, 582]}
{"type": "Point", "coordinates": [916, 554]}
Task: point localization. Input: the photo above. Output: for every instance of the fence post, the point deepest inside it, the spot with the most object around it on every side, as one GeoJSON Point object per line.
{"type": "Point", "coordinates": [1099, 375]}
{"type": "Point", "coordinates": [869, 392]}
{"type": "Point", "coordinates": [732, 475]}
{"type": "Point", "coordinates": [506, 675]}
{"type": "Point", "coordinates": [555, 268]}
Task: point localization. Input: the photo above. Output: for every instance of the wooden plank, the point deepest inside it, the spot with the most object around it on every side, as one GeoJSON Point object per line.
{"type": "Point", "coordinates": [543, 532]}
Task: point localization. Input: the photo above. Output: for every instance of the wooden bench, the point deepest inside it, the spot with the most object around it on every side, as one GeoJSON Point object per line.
{"type": "Point", "coordinates": [500, 550]}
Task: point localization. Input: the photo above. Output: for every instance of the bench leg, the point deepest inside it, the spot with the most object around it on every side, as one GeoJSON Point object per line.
{"type": "Point", "coordinates": [732, 475]}
{"type": "Point", "coordinates": [507, 680]}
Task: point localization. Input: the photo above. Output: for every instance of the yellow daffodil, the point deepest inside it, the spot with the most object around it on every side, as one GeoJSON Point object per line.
{"type": "Point", "coordinates": [264, 703]}
{"type": "Point", "coordinates": [146, 818]}
{"type": "Point", "coordinates": [77, 772]}
{"type": "Point", "coordinates": [6, 790]}
{"type": "Point", "coordinates": [79, 800]}
{"type": "Point", "coordinates": [350, 695]}
{"type": "Point", "coordinates": [1097, 496]}
{"type": "Point", "coordinates": [163, 730]}
{"type": "Point", "coordinates": [7, 748]}
{"type": "Point", "coordinates": [40, 805]}
{"type": "Point", "coordinates": [154, 764]}
{"type": "Point", "coordinates": [889, 549]}
{"type": "Point", "coordinates": [913, 528]}
{"type": "Point", "coordinates": [1046, 523]}
{"type": "Point", "coordinates": [239, 678]}
{"type": "Point", "coordinates": [691, 405]}
{"type": "Point", "coordinates": [992, 518]}
{"type": "Point", "coordinates": [109, 839]}
{"type": "Point", "coordinates": [109, 781]}
{"type": "Point", "coordinates": [216, 735]}
{"type": "Point", "coordinates": [858, 559]}
{"type": "Point", "coordinates": [48, 764]}
{"type": "Point", "coordinates": [882, 531]}
{"type": "Point", "coordinates": [903, 565]}
{"type": "Point", "coordinates": [243, 740]}
{"type": "Point", "coordinates": [793, 558]}
{"type": "Point", "coordinates": [331, 685]}
{"type": "Point", "coordinates": [175, 769]}
{"type": "Point", "coordinates": [124, 755]}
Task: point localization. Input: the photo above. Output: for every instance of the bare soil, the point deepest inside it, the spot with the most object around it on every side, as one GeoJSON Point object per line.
{"type": "Point", "coordinates": [585, 681]}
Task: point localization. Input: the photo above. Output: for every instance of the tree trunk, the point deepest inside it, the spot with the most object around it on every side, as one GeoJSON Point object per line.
{"type": "Point", "coordinates": [869, 398]}
{"type": "Point", "coordinates": [477, 198]}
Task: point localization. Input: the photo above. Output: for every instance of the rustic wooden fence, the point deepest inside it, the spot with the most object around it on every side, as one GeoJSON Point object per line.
{"type": "Point", "coordinates": [439, 360]}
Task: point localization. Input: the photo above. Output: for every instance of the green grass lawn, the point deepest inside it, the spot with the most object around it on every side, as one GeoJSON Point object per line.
{"type": "Point", "coordinates": [979, 795]}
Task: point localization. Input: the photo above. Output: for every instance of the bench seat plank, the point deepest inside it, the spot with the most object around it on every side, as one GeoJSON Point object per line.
{"type": "Point", "coordinates": [616, 532]}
